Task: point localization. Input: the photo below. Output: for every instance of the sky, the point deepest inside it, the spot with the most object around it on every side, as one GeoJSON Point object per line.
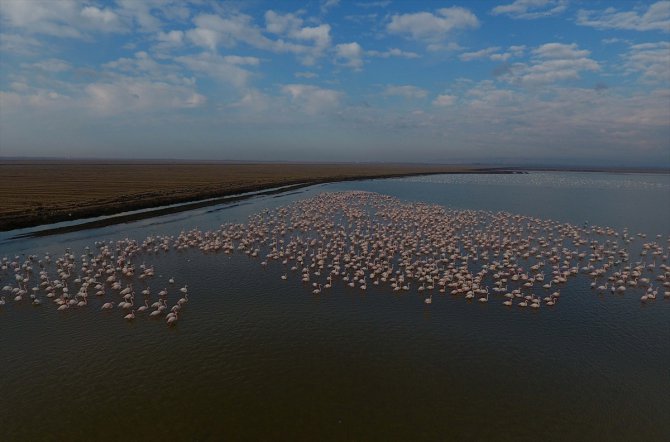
{"type": "Point", "coordinates": [562, 82]}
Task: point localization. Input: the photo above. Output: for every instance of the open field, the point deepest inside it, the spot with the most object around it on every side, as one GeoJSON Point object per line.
{"type": "Point", "coordinates": [40, 192]}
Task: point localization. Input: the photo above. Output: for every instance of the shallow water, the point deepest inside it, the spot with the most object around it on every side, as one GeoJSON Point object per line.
{"type": "Point", "coordinates": [255, 357]}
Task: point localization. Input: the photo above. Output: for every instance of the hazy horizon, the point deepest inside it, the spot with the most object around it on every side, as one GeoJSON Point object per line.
{"type": "Point", "coordinates": [577, 166]}
{"type": "Point", "coordinates": [525, 82]}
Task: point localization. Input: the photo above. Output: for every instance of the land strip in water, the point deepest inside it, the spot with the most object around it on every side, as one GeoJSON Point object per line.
{"type": "Point", "coordinates": [33, 193]}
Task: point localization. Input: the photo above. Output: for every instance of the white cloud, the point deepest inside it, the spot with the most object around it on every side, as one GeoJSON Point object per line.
{"type": "Point", "coordinates": [350, 54]}
{"type": "Point", "coordinates": [517, 51]}
{"type": "Point", "coordinates": [493, 54]}
{"type": "Point", "coordinates": [327, 5]}
{"type": "Point", "coordinates": [308, 43]}
{"type": "Point", "coordinates": [253, 101]}
{"type": "Point", "coordinates": [552, 62]}
{"type": "Point", "coordinates": [53, 18]}
{"type": "Point", "coordinates": [81, 19]}
{"type": "Point", "coordinates": [449, 47]}
{"type": "Point", "coordinates": [306, 75]}
{"type": "Point", "coordinates": [485, 95]}
{"type": "Point", "coordinates": [242, 60]}
{"type": "Point", "coordinates": [140, 13]}
{"type": "Point", "coordinates": [118, 94]}
{"type": "Point", "coordinates": [291, 26]}
{"type": "Point", "coordinates": [393, 52]}
{"type": "Point", "coordinates": [431, 27]}
{"type": "Point", "coordinates": [560, 50]}
{"type": "Point", "coordinates": [141, 84]}
{"type": "Point", "coordinates": [611, 41]}
{"type": "Point", "coordinates": [19, 86]}
{"type": "Point", "coordinates": [103, 19]}
{"type": "Point", "coordinates": [127, 94]}
{"type": "Point", "coordinates": [204, 37]}
{"type": "Point", "coordinates": [568, 123]}
{"type": "Point", "coordinates": [174, 37]}
{"type": "Point", "coordinates": [33, 98]}
{"type": "Point", "coordinates": [483, 53]}
{"type": "Point", "coordinates": [655, 18]}
{"type": "Point", "coordinates": [19, 44]}
{"type": "Point", "coordinates": [212, 30]}
{"type": "Point", "coordinates": [281, 23]}
{"type": "Point", "coordinates": [53, 65]}
{"type": "Point", "coordinates": [128, 84]}
{"type": "Point", "coordinates": [582, 121]}
{"type": "Point", "coordinates": [319, 35]}
{"type": "Point", "coordinates": [142, 62]}
{"type": "Point", "coordinates": [144, 66]}
{"type": "Point", "coordinates": [652, 60]}
{"type": "Point", "coordinates": [405, 91]}
{"type": "Point", "coordinates": [376, 4]}
{"type": "Point", "coordinates": [311, 99]}
{"type": "Point", "coordinates": [500, 57]}
{"type": "Point", "coordinates": [224, 69]}
{"type": "Point", "coordinates": [557, 70]}
{"type": "Point", "coordinates": [444, 100]}
{"type": "Point", "coordinates": [531, 9]}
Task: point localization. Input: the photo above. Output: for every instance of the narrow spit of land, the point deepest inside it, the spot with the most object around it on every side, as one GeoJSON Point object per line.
{"type": "Point", "coordinates": [41, 192]}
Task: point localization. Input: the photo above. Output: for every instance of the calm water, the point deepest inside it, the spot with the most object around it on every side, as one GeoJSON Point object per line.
{"type": "Point", "coordinates": [255, 357]}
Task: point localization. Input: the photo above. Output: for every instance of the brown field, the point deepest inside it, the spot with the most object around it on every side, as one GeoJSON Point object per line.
{"type": "Point", "coordinates": [33, 193]}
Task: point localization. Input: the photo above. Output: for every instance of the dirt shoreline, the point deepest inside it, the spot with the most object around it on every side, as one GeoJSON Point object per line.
{"type": "Point", "coordinates": [32, 205]}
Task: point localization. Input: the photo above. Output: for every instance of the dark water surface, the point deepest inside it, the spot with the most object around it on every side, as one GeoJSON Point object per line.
{"type": "Point", "coordinates": [257, 358]}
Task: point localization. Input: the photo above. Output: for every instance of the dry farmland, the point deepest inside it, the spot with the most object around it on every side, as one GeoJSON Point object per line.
{"type": "Point", "coordinates": [34, 193]}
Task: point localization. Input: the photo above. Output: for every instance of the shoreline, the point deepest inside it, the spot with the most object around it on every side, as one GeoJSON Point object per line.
{"type": "Point", "coordinates": [128, 198]}
{"type": "Point", "coordinates": [143, 209]}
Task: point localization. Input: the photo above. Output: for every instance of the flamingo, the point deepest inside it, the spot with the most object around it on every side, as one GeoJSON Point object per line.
{"type": "Point", "coordinates": [143, 307]}
{"type": "Point", "coordinates": [172, 320]}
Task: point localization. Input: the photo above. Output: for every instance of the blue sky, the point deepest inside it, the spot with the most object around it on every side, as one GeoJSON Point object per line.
{"type": "Point", "coordinates": [507, 81]}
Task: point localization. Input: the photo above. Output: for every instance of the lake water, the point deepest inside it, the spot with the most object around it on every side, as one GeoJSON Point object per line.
{"type": "Point", "coordinates": [257, 358]}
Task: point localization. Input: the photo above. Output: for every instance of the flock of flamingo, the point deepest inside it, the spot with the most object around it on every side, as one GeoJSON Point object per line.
{"type": "Point", "coordinates": [359, 239]}
{"type": "Point", "coordinates": [97, 274]}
